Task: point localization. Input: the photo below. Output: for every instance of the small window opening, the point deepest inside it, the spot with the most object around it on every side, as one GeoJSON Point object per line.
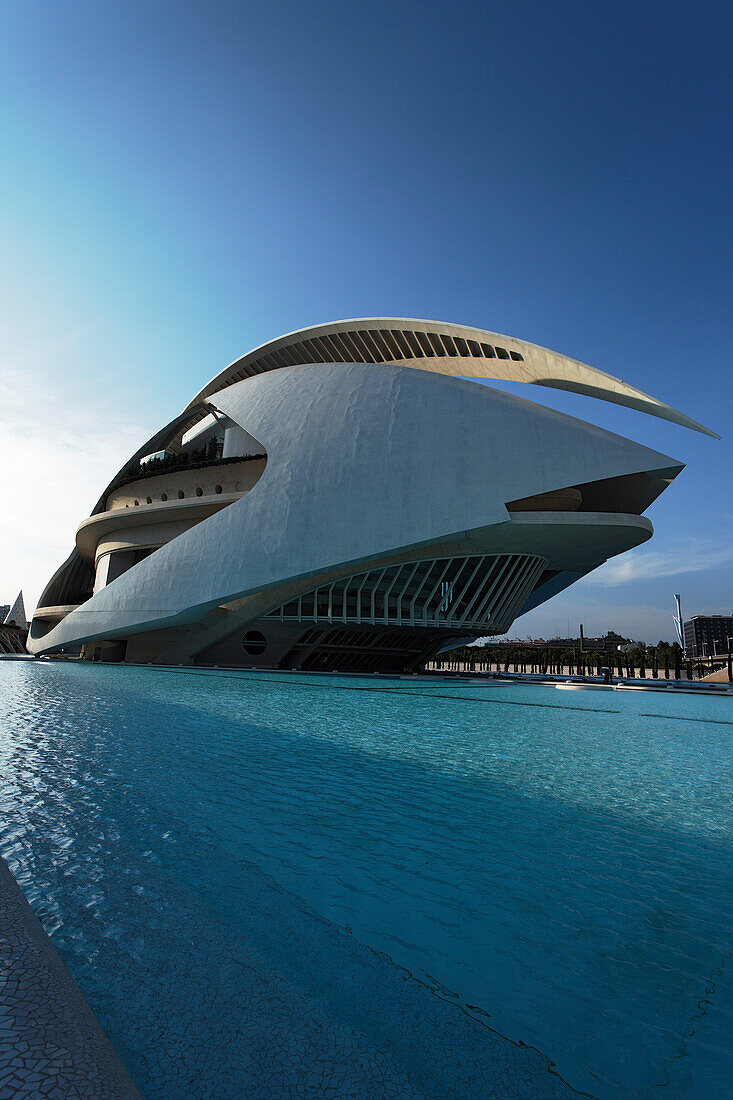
{"type": "Point", "coordinates": [435, 341]}
{"type": "Point", "coordinates": [516, 357]}
{"type": "Point", "coordinates": [181, 494]}
{"type": "Point", "coordinates": [217, 488]}
{"type": "Point", "coordinates": [163, 496]}
{"type": "Point", "coordinates": [199, 491]}
{"type": "Point", "coordinates": [502, 352]}
{"type": "Point", "coordinates": [253, 642]}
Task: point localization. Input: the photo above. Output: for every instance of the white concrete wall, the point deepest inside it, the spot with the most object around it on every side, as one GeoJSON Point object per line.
{"type": "Point", "coordinates": [239, 442]}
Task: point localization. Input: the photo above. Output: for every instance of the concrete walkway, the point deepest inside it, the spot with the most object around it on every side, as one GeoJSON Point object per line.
{"type": "Point", "coordinates": [51, 1044]}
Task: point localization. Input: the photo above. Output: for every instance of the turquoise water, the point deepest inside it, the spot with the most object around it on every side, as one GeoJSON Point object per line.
{"type": "Point", "coordinates": [272, 884]}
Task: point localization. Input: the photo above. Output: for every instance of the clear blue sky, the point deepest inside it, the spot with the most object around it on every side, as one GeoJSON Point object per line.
{"type": "Point", "coordinates": [182, 181]}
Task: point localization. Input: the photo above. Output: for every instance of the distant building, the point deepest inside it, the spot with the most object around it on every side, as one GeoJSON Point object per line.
{"type": "Point", "coordinates": [708, 635]}
{"type": "Point", "coordinates": [16, 614]}
{"type": "Point", "coordinates": [609, 643]}
{"type": "Point", "coordinates": [13, 627]}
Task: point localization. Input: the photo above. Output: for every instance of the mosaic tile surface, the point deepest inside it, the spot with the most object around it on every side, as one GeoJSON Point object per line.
{"type": "Point", "coordinates": [51, 1045]}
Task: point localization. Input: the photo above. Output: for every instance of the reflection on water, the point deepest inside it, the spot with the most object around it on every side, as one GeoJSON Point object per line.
{"type": "Point", "coordinates": [555, 867]}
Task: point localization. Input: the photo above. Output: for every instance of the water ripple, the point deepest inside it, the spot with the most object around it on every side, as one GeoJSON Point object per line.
{"type": "Point", "coordinates": [561, 873]}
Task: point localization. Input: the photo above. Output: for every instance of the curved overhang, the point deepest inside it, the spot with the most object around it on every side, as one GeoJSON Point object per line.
{"type": "Point", "coordinates": [577, 541]}
{"type": "Point", "coordinates": [75, 560]}
{"type": "Point", "coordinates": [55, 614]}
{"type": "Point", "coordinates": [92, 530]}
{"type": "Point", "coordinates": [457, 350]}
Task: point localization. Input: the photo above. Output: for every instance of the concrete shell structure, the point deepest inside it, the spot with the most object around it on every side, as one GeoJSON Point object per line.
{"type": "Point", "coordinates": [342, 498]}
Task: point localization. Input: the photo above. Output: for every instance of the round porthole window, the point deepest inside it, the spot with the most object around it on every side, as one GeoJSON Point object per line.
{"type": "Point", "coordinates": [181, 494]}
{"type": "Point", "coordinates": [163, 496]}
{"type": "Point", "coordinates": [199, 491]}
{"type": "Point", "coordinates": [148, 500]}
{"type": "Point", "coordinates": [253, 642]}
{"type": "Point", "coordinates": [217, 488]}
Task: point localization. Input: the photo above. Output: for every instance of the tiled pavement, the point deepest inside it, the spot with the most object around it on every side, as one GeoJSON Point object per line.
{"type": "Point", "coordinates": [51, 1044]}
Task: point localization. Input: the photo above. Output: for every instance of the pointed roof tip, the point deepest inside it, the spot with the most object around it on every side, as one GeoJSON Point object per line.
{"type": "Point", "coordinates": [16, 615]}
{"type": "Point", "coordinates": [430, 346]}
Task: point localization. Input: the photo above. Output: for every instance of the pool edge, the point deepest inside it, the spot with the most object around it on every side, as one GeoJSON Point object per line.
{"type": "Point", "coordinates": [51, 1043]}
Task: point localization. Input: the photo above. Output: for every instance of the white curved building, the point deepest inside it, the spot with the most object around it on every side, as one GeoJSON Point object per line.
{"type": "Point", "coordinates": [342, 498]}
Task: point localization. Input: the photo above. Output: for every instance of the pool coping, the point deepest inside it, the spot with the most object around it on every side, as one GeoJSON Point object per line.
{"type": "Point", "coordinates": [51, 1043]}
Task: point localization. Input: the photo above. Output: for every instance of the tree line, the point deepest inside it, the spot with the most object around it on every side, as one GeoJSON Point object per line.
{"type": "Point", "coordinates": [663, 660]}
{"type": "Point", "coordinates": [198, 458]}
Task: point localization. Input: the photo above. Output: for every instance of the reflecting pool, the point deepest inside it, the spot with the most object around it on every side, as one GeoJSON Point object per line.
{"type": "Point", "coordinates": [273, 884]}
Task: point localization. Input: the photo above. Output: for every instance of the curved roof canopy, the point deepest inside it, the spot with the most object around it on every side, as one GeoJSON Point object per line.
{"type": "Point", "coordinates": [445, 349]}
